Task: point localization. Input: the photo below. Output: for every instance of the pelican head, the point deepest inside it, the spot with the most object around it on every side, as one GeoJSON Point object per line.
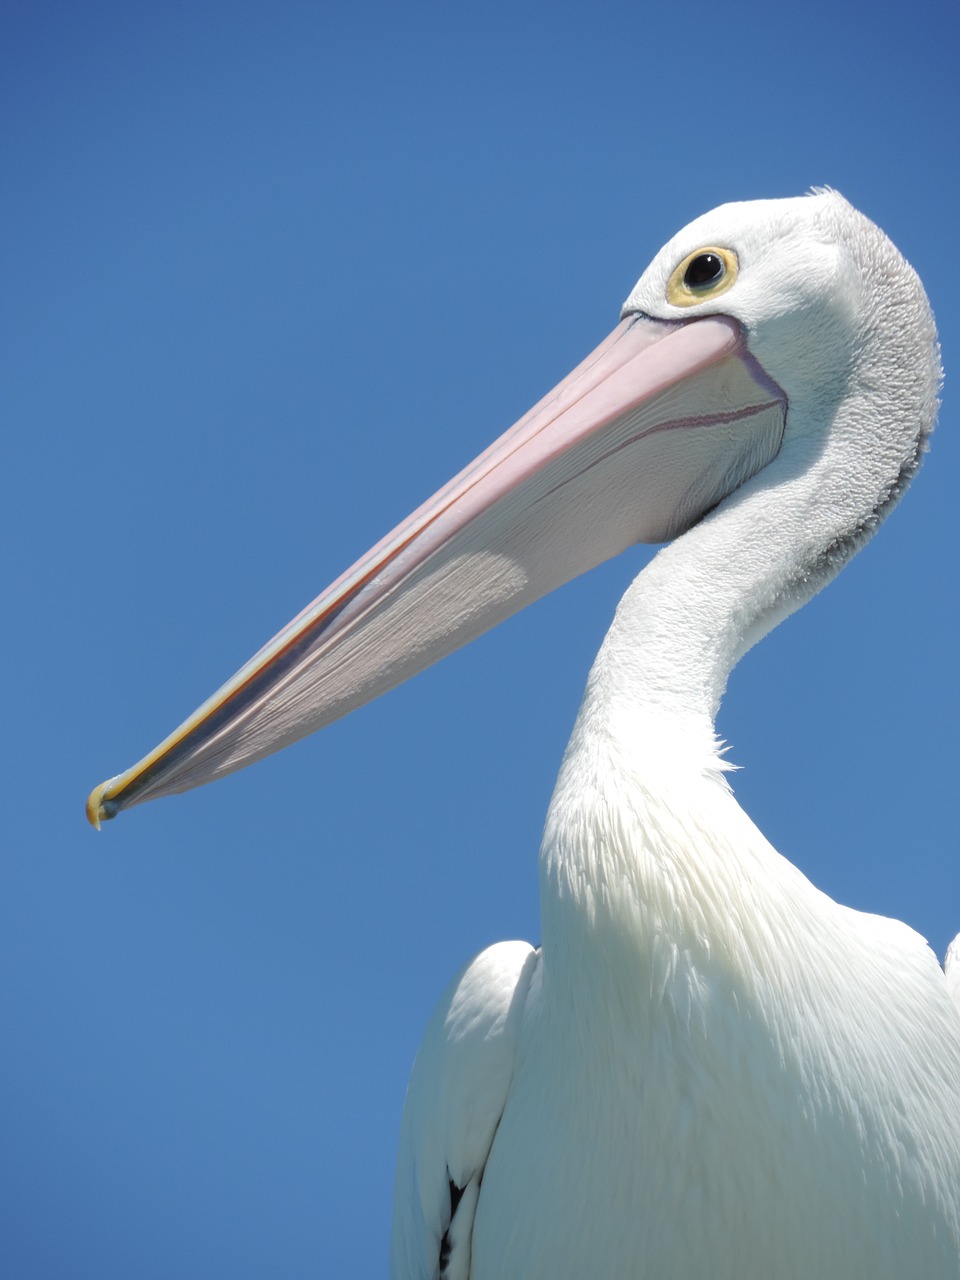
{"type": "Point", "coordinates": [776, 353]}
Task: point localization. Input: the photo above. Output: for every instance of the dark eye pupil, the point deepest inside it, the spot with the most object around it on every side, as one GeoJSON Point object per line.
{"type": "Point", "coordinates": [706, 268]}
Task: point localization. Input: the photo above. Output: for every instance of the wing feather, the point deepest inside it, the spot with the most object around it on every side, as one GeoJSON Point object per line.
{"type": "Point", "coordinates": [456, 1096]}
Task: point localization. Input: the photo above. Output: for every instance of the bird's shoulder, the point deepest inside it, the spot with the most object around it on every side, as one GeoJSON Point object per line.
{"type": "Point", "coordinates": [457, 1092]}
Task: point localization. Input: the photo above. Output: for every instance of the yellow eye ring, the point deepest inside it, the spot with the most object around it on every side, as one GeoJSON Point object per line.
{"type": "Point", "coordinates": [705, 273]}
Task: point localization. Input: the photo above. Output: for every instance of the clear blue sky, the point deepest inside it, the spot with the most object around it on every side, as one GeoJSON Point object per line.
{"type": "Point", "coordinates": [272, 273]}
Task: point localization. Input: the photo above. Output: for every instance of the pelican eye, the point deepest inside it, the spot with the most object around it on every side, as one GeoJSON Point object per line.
{"type": "Point", "coordinates": [705, 269]}
{"type": "Point", "coordinates": [703, 274]}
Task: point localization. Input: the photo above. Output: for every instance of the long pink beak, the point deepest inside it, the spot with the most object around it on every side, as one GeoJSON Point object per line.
{"type": "Point", "coordinates": [650, 432]}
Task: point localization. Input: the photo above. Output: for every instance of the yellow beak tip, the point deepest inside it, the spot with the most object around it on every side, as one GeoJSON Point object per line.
{"type": "Point", "coordinates": [96, 813]}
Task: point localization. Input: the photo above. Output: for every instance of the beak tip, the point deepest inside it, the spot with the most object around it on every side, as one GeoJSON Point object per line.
{"type": "Point", "coordinates": [98, 808]}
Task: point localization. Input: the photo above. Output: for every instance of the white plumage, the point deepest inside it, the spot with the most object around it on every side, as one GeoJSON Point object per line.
{"type": "Point", "coordinates": [708, 1068]}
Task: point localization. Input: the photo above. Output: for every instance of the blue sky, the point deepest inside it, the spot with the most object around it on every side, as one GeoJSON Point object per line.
{"type": "Point", "coordinates": [272, 274]}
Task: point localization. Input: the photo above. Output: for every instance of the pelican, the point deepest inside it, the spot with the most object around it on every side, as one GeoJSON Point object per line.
{"type": "Point", "coordinates": [708, 1067]}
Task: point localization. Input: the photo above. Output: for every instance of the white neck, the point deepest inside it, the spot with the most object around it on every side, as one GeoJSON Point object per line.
{"type": "Point", "coordinates": [644, 846]}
